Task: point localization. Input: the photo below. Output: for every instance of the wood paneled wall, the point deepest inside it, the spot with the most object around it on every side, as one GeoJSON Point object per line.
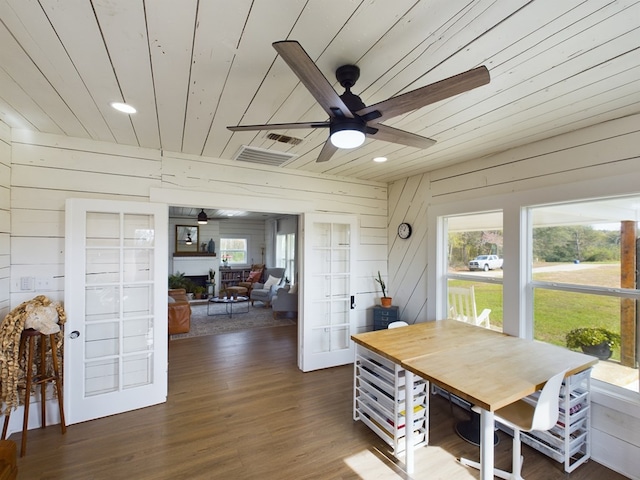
{"type": "Point", "coordinates": [602, 160]}
{"type": "Point", "coordinates": [5, 218]}
{"type": "Point", "coordinates": [47, 169]}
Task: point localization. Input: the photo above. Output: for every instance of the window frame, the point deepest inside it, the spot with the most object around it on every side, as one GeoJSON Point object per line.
{"type": "Point", "coordinates": [517, 253]}
{"type": "Point", "coordinates": [223, 252]}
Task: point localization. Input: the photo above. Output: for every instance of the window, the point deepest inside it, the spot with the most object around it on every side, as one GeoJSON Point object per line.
{"type": "Point", "coordinates": [233, 251]}
{"type": "Point", "coordinates": [286, 254]}
{"type": "Point", "coordinates": [583, 274]}
{"type": "Point", "coordinates": [468, 237]}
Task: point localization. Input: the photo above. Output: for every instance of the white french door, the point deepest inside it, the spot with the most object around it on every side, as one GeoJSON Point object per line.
{"type": "Point", "coordinates": [328, 264]}
{"type": "Point", "coordinates": [115, 352]}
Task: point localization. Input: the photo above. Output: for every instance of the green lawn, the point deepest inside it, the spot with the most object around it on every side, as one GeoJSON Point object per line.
{"type": "Point", "coordinates": [556, 312]}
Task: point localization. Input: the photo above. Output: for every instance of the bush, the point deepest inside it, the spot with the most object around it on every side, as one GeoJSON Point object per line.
{"type": "Point", "coordinates": [589, 336]}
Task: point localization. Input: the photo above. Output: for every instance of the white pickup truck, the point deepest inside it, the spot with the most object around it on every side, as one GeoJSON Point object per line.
{"type": "Point", "coordinates": [485, 262]}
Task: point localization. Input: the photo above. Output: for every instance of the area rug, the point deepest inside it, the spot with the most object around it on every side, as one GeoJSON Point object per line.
{"type": "Point", "coordinates": [257, 317]}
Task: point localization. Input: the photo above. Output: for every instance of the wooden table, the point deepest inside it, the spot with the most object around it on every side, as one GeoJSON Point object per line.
{"type": "Point", "coordinates": [487, 368]}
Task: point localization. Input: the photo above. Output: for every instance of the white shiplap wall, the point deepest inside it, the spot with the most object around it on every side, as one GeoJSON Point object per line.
{"type": "Point", "coordinates": [47, 169]}
{"type": "Point", "coordinates": [5, 218]}
{"type": "Point", "coordinates": [597, 161]}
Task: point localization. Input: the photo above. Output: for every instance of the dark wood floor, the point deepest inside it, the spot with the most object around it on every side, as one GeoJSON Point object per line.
{"type": "Point", "coordinates": [239, 408]}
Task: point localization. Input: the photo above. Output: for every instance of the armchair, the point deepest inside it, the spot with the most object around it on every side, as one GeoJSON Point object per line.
{"type": "Point", "coordinates": [179, 311]}
{"type": "Point", "coordinates": [264, 292]}
{"type": "Point", "coordinates": [285, 300]}
{"type": "Point", "coordinates": [254, 276]}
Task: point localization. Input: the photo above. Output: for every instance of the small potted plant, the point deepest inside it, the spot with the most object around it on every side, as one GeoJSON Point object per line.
{"type": "Point", "coordinates": [384, 300]}
{"type": "Point", "coordinates": [199, 291]}
{"type": "Point", "coordinates": [596, 341]}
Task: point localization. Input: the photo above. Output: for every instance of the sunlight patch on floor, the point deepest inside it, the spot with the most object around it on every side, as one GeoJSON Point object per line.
{"type": "Point", "coordinates": [375, 465]}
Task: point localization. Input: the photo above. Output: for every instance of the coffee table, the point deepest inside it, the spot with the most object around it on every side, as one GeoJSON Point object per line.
{"type": "Point", "coordinates": [229, 302]}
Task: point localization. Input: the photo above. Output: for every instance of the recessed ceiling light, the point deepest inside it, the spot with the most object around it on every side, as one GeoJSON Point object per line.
{"type": "Point", "coordinates": [123, 107]}
{"type": "Point", "coordinates": [380, 159]}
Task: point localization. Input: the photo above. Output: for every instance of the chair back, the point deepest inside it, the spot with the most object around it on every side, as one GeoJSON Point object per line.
{"type": "Point", "coordinates": [277, 272]}
{"type": "Point", "coordinates": [462, 306]}
{"type": "Point", "coordinates": [398, 323]}
{"type": "Point", "coordinates": [546, 412]}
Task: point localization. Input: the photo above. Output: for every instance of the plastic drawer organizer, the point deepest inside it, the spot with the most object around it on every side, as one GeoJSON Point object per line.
{"type": "Point", "coordinates": [569, 441]}
{"type": "Point", "coordinates": [379, 394]}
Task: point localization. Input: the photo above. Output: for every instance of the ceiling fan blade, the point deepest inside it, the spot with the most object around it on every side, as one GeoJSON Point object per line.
{"type": "Point", "coordinates": [327, 151]}
{"type": "Point", "coordinates": [311, 77]}
{"type": "Point", "coordinates": [279, 126]}
{"type": "Point", "coordinates": [394, 135]}
{"type": "Point", "coordinates": [429, 94]}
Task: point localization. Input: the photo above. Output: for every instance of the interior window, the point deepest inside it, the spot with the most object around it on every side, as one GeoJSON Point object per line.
{"type": "Point", "coordinates": [233, 251]}
{"type": "Point", "coordinates": [474, 268]}
{"type": "Point", "coordinates": [584, 281]}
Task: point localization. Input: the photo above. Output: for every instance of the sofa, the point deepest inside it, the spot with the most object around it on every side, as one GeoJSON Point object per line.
{"type": "Point", "coordinates": [285, 301]}
{"type": "Point", "coordinates": [264, 292]}
{"type": "Point", "coordinates": [179, 311]}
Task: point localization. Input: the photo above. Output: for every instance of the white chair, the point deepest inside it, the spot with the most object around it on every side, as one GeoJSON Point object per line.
{"type": "Point", "coordinates": [522, 416]}
{"type": "Point", "coordinates": [462, 306]}
{"type": "Point", "coordinates": [397, 324]}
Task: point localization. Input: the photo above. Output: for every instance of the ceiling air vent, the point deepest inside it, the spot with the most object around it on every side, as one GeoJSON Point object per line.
{"type": "Point", "coordinates": [262, 156]}
{"type": "Point", "coordinates": [284, 139]}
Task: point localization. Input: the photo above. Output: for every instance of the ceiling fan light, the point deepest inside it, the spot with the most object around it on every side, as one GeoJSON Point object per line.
{"type": "Point", "coordinates": [347, 133]}
{"type": "Point", "coordinates": [188, 240]}
{"type": "Point", "coordinates": [347, 138]}
{"type": "Point", "coordinates": [202, 217]}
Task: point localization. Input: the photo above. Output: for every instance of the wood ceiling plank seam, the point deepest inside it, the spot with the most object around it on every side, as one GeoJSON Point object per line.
{"type": "Point", "coordinates": [255, 54]}
{"type": "Point", "coordinates": [218, 34]}
{"type": "Point", "coordinates": [539, 133]}
{"type": "Point", "coordinates": [126, 39]}
{"type": "Point", "coordinates": [523, 92]}
{"type": "Point", "coordinates": [495, 70]}
{"type": "Point", "coordinates": [560, 92]}
{"type": "Point", "coordinates": [45, 50]}
{"type": "Point", "coordinates": [21, 101]}
{"type": "Point", "coordinates": [171, 33]}
{"type": "Point", "coordinates": [441, 68]}
{"type": "Point", "coordinates": [547, 124]}
{"type": "Point", "coordinates": [619, 127]}
{"type": "Point", "coordinates": [19, 68]}
{"type": "Point", "coordinates": [83, 42]}
{"type": "Point", "coordinates": [475, 150]}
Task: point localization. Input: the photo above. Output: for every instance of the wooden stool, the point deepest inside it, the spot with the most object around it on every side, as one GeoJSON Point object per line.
{"type": "Point", "coordinates": [235, 291]}
{"type": "Point", "coordinates": [28, 342]}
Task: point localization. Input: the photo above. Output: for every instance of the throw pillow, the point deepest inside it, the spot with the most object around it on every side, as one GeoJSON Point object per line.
{"type": "Point", "coordinates": [271, 281]}
{"type": "Point", "coordinates": [254, 276]}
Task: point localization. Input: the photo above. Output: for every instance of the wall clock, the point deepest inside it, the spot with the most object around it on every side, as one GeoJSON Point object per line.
{"type": "Point", "coordinates": [404, 230]}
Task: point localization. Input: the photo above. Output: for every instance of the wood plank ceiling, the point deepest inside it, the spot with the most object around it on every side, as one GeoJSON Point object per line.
{"type": "Point", "coordinates": [193, 67]}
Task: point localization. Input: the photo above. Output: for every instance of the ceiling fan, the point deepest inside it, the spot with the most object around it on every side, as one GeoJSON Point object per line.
{"type": "Point", "coordinates": [350, 120]}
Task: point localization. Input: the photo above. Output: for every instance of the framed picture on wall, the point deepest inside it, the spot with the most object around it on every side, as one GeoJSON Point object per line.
{"type": "Point", "coordinates": [186, 239]}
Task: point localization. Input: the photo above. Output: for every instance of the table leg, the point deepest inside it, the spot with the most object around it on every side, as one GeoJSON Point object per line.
{"type": "Point", "coordinates": [486, 444]}
{"type": "Point", "coordinates": [408, 421]}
